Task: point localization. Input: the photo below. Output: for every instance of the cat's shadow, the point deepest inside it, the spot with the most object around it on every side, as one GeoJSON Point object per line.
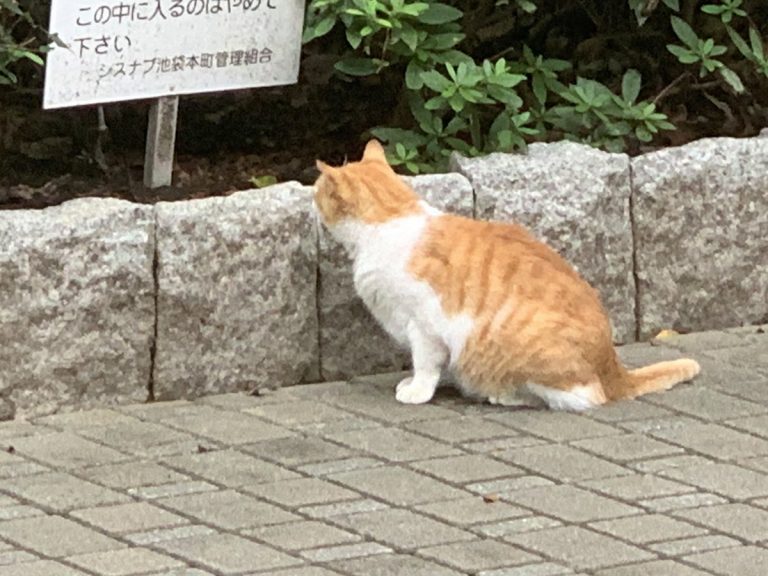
{"type": "Point", "coordinates": [448, 393]}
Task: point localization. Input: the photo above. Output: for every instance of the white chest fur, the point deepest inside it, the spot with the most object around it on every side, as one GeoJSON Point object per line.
{"type": "Point", "coordinates": [382, 253]}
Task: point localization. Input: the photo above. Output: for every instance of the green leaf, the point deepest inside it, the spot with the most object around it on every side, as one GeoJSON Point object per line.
{"type": "Point", "coordinates": [415, 9]}
{"type": "Point", "coordinates": [556, 65]}
{"type": "Point", "coordinates": [672, 5]}
{"type": "Point", "coordinates": [321, 28]}
{"type": "Point", "coordinates": [526, 6]}
{"type": "Point", "coordinates": [459, 145]}
{"type": "Point", "coordinates": [643, 134]}
{"type": "Point", "coordinates": [630, 85]}
{"type": "Point", "coordinates": [34, 58]}
{"type": "Point", "coordinates": [528, 54]}
{"type": "Point", "coordinates": [263, 181]}
{"type": "Point", "coordinates": [739, 42]}
{"type": "Point", "coordinates": [413, 73]}
{"type": "Point", "coordinates": [732, 79]}
{"type": "Point", "coordinates": [620, 128]}
{"type": "Point", "coordinates": [638, 7]}
{"type": "Point", "coordinates": [409, 138]}
{"type": "Point", "coordinates": [472, 95]}
{"type": "Point", "coordinates": [436, 103]}
{"type": "Point", "coordinates": [410, 37]}
{"type": "Point", "coordinates": [508, 97]}
{"type": "Point", "coordinates": [683, 54]}
{"type": "Point", "coordinates": [452, 71]}
{"type": "Point", "coordinates": [570, 96]}
{"type": "Point", "coordinates": [454, 57]}
{"type": "Point", "coordinates": [366, 6]}
{"type": "Point", "coordinates": [648, 108]}
{"type": "Point", "coordinates": [443, 41]}
{"type": "Point", "coordinates": [712, 65]}
{"type": "Point", "coordinates": [354, 38]}
{"type": "Point", "coordinates": [718, 50]}
{"type": "Point", "coordinates": [457, 124]}
{"type": "Point", "coordinates": [437, 126]}
{"type": "Point", "coordinates": [11, 7]}
{"type": "Point", "coordinates": [501, 122]}
{"type": "Point", "coordinates": [357, 66]}
{"type": "Point", "coordinates": [664, 125]}
{"type": "Point", "coordinates": [713, 9]}
{"type": "Point", "coordinates": [420, 113]}
{"type": "Point", "coordinates": [9, 78]}
{"type": "Point", "coordinates": [457, 102]}
{"type": "Point", "coordinates": [539, 88]}
{"type": "Point", "coordinates": [438, 13]}
{"type": "Point", "coordinates": [757, 44]}
{"type": "Point", "coordinates": [435, 81]}
{"type": "Point", "coordinates": [506, 80]}
{"type": "Point", "coordinates": [684, 32]}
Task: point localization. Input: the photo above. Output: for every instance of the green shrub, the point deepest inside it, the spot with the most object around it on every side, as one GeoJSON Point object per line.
{"type": "Point", "coordinates": [17, 46]}
{"type": "Point", "coordinates": [494, 75]}
{"type": "Point", "coordinates": [461, 101]}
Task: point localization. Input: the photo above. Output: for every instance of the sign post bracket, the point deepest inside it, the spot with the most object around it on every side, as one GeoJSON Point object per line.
{"type": "Point", "coordinates": [161, 141]}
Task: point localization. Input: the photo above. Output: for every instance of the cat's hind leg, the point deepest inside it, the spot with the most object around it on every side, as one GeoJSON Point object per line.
{"type": "Point", "coordinates": [429, 356]}
{"type": "Point", "coordinates": [577, 398]}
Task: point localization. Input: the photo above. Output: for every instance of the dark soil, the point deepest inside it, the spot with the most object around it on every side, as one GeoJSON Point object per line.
{"type": "Point", "coordinates": [224, 143]}
{"type": "Point", "coordinates": [218, 174]}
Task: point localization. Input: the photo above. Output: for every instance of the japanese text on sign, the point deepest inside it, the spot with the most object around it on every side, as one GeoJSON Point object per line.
{"type": "Point", "coordinates": [149, 48]}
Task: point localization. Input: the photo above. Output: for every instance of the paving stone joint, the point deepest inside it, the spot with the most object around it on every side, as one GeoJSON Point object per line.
{"type": "Point", "coordinates": [351, 483]}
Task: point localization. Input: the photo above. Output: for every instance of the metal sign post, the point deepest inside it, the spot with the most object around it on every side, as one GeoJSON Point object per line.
{"type": "Point", "coordinates": [161, 49]}
{"type": "Point", "coordinates": [161, 141]}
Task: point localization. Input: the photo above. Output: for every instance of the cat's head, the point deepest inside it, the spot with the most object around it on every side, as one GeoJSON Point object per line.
{"type": "Point", "coordinates": [367, 192]}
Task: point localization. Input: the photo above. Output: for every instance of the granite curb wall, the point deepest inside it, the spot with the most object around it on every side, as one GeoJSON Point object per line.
{"type": "Point", "coordinates": [105, 301]}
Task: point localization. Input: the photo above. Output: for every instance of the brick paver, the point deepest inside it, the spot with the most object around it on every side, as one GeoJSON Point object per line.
{"type": "Point", "coordinates": [339, 479]}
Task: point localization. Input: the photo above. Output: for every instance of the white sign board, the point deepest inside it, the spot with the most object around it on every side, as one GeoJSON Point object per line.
{"type": "Point", "coordinates": [128, 50]}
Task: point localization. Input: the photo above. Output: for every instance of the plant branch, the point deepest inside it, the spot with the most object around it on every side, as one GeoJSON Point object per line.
{"type": "Point", "coordinates": [667, 90]}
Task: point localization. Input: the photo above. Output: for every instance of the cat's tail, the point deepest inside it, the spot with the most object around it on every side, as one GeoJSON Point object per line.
{"type": "Point", "coordinates": [655, 378]}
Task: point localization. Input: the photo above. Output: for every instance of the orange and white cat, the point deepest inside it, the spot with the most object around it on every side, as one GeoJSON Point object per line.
{"type": "Point", "coordinates": [504, 311]}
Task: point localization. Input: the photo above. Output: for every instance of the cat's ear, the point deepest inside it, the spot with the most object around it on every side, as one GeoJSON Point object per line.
{"type": "Point", "coordinates": [327, 170]}
{"type": "Point", "coordinates": [374, 151]}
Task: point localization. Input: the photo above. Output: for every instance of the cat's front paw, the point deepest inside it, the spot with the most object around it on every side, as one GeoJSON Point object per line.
{"type": "Point", "coordinates": [404, 383]}
{"type": "Point", "coordinates": [411, 392]}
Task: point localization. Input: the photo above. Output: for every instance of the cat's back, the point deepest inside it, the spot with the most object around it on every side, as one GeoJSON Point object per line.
{"type": "Point", "coordinates": [479, 266]}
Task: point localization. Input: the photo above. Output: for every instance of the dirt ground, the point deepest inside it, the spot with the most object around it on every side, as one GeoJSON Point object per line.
{"type": "Point", "coordinates": [224, 143]}
{"type": "Point", "coordinates": [193, 177]}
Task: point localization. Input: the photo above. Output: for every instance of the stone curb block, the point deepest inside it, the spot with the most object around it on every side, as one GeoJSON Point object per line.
{"type": "Point", "coordinates": [701, 227]}
{"type": "Point", "coordinates": [249, 291]}
{"type": "Point", "coordinates": [76, 305]}
{"type": "Point", "coordinates": [576, 199]}
{"type": "Point", "coordinates": [236, 295]}
{"type": "Point", "coordinates": [351, 341]}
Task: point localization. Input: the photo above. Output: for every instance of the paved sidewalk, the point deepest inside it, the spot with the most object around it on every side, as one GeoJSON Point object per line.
{"type": "Point", "coordinates": [340, 479]}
